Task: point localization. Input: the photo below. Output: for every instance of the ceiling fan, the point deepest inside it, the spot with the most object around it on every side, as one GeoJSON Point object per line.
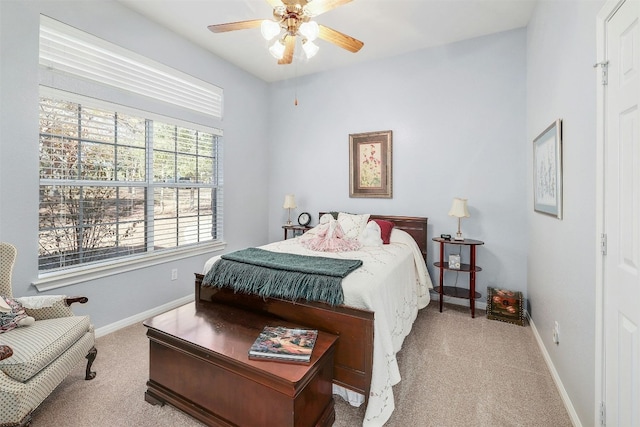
{"type": "Point", "coordinates": [292, 18]}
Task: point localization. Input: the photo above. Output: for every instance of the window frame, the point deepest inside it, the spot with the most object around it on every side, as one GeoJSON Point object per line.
{"type": "Point", "coordinates": [53, 279]}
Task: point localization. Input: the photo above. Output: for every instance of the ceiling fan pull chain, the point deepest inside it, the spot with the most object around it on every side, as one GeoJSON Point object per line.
{"type": "Point", "coordinates": [295, 83]}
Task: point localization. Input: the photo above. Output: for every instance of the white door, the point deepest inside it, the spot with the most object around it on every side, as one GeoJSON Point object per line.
{"type": "Point", "coordinates": [622, 218]}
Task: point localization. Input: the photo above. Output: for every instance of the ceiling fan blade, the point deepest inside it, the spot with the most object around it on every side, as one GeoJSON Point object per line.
{"type": "Point", "coordinates": [290, 44]}
{"type": "Point", "coordinates": [232, 26]}
{"type": "Point", "coordinates": [316, 7]}
{"type": "Point", "coordinates": [336, 37]}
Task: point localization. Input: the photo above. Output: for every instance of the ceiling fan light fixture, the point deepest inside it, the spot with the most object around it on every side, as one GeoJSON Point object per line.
{"type": "Point", "coordinates": [269, 29]}
{"type": "Point", "coordinates": [277, 49]}
{"type": "Point", "coordinates": [309, 30]}
{"type": "Point", "coordinates": [310, 48]}
{"type": "Point", "coordinates": [291, 25]}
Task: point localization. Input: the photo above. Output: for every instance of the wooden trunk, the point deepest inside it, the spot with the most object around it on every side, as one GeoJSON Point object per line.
{"type": "Point", "coordinates": [198, 362]}
{"type": "Point", "coordinates": [353, 361]}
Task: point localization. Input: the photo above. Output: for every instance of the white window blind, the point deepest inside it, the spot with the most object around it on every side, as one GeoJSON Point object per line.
{"type": "Point", "coordinates": [68, 50]}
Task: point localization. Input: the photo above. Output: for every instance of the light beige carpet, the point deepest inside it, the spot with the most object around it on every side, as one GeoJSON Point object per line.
{"type": "Point", "coordinates": [457, 371]}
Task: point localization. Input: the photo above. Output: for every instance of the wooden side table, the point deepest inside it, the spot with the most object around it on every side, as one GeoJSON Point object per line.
{"type": "Point", "coordinates": [295, 229]}
{"type": "Point", "coordinates": [470, 268]}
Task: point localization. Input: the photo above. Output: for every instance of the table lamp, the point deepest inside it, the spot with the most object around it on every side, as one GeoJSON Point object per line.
{"type": "Point", "coordinates": [289, 203]}
{"type": "Point", "coordinates": [459, 210]}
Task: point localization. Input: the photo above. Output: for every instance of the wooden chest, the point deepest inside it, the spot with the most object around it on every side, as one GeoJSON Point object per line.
{"type": "Point", "coordinates": [198, 362]}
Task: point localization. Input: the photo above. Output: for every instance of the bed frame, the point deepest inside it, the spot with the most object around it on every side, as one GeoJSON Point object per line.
{"type": "Point", "coordinates": [353, 360]}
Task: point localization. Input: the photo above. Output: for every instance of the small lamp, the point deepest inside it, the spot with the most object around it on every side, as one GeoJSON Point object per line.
{"type": "Point", "coordinates": [459, 210]}
{"type": "Point", "coordinates": [289, 203]}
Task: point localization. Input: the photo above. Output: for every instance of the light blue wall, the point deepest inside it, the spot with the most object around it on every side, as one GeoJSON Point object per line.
{"type": "Point", "coordinates": [245, 136]}
{"type": "Point", "coordinates": [457, 114]}
{"type": "Point", "coordinates": [561, 83]}
{"type": "Point", "coordinates": [463, 117]}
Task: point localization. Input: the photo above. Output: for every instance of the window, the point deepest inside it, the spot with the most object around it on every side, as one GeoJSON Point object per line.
{"type": "Point", "coordinates": [117, 182]}
{"type": "Point", "coordinates": [130, 159]}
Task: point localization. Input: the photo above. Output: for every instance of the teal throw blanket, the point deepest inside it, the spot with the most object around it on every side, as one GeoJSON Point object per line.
{"type": "Point", "coordinates": [282, 275]}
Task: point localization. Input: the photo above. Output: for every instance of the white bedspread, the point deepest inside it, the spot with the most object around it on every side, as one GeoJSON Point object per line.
{"type": "Point", "coordinates": [394, 283]}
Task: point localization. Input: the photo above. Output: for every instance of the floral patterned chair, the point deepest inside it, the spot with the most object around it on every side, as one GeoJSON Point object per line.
{"type": "Point", "coordinates": [35, 359]}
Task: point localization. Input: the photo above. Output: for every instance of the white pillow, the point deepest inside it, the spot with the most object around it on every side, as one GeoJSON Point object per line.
{"type": "Point", "coordinates": [326, 218]}
{"type": "Point", "coordinates": [371, 235]}
{"type": "Point", "coordinates": [352, 225]}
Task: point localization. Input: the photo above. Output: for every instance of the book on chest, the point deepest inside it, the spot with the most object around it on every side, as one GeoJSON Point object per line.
{"type": "Point", "coordinates": [280, 343]}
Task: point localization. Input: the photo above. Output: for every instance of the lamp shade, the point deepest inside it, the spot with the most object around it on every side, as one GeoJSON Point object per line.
{"type": "Point", "coordinates": [269, 29]}
{"type": "Point", "coordinates": [309, 30]}
{"type": "Point", "coordinates": [289, 201]}
{"type": "Point", "coordinates": [277, 49]}
{"type": "Point", "coordinates": [459, 208]}
{"type": "Point", "coordinates": [310, 49]}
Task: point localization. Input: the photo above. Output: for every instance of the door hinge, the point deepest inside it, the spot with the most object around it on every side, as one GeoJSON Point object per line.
{"type": "Point", "coordinates": [603, 418]}
{"type": "Point", "coordinates": [603, 243]}
{"type": "Point", "coordinates": [604, 65]}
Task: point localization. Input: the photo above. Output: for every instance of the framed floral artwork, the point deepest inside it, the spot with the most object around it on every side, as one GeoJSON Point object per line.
{"type": "Point", "coordinates": [370, 164]}
{"type": "Point", "coordinates": [547, 171]}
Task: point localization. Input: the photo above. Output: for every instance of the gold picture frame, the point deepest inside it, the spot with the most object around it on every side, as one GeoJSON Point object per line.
{"type": "Point", "coordinates": [370, 164]}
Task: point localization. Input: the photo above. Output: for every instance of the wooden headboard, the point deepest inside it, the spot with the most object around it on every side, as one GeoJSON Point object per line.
{"type": "Point", "coordinates": [416, 226]}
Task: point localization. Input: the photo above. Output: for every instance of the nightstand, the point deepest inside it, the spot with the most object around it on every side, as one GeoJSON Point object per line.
{"type": "Point", "coordinates": [296, 230]}
{"type": "Point", "coordinates": [470, 268]}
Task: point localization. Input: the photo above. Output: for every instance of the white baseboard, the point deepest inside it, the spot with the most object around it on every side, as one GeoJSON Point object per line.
{"type": "Point", "coordinates": [143, 316]}
{"type": "Point", "coordinates": [556, 378]}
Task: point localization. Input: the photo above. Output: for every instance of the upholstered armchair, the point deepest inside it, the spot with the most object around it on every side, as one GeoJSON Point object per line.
{"type": "Point", "coordinates": [35, 359]}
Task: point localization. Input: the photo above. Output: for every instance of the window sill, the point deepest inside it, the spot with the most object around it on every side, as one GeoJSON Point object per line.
{"type": "Point", "coordinates": [49, 281]}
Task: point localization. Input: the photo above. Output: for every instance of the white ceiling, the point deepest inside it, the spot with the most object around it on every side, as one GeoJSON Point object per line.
{"type": "Point", "coordinates": [387, 28]}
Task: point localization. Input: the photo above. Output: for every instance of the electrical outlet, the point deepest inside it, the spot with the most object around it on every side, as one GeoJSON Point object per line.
{"type": "Point", "coordinates": [556, 333]}
{"type": "Point", "coordinates": [174, 274]}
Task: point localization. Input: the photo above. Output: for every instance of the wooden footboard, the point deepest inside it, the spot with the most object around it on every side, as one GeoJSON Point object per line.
{"type": "Point", "coordinates": [353, 358]}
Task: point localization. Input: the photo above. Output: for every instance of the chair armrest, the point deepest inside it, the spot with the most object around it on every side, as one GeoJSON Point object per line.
{"type": "Point", "coordinates": [5, 351]}
{"type": "Point", "coordinates": [71, 300]}
{"type": "Point", "coordinates": [42, 307]}
{"type": "Point", "coordinates": [59, 309]}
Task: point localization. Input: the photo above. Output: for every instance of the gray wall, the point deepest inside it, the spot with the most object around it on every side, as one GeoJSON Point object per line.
{"type": "Point", "coordinates": [245, 137]}
{"type": "Point", "coordinates": [561, 83]}
{"type": "Point", "coordinates": [457, 114]}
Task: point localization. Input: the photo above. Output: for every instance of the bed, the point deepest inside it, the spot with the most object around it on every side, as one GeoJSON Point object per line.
{"type": "Point", "coordinates": [381, 301]}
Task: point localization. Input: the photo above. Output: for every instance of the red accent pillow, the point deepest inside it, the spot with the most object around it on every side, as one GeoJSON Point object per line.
{"type": "Point", "coordinates": [385, 229]}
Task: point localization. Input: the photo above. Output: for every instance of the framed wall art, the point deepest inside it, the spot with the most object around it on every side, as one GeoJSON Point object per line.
{"type": "Point", "coordinates": [547, 171]}
{"type": "Point", "coordinates": [370, 164]}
